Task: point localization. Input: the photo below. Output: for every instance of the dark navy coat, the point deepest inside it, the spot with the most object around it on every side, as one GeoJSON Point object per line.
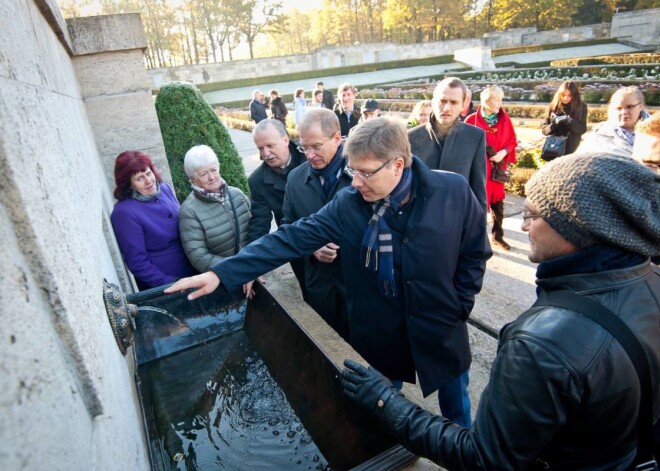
{"type": "Point", "coordinates": [443, 257]}
{"type": "Point", "coordinates": [324, 281]}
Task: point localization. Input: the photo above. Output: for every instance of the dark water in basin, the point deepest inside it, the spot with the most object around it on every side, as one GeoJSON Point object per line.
{"type": "Point", "coordinates": [217, 407]}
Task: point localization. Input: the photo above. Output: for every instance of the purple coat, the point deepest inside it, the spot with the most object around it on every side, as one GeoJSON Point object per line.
{"type": "Point", "coordinates": [148, 237]}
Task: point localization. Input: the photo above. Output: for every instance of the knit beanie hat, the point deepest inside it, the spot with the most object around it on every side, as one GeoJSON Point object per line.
{"type": "Point", "coordinates": [598, 198]}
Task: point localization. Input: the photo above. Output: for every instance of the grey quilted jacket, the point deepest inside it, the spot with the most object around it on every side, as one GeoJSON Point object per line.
{"type": "Point", "coordinates": [208, 226]}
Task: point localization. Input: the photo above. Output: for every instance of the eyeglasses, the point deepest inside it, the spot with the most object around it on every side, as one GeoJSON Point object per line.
{"type": "Point", "coordinates": [315, 147]}
{"type": "Point", "coordinates": [365, 176]}
{"type": "Point", "coordinates": [627, 107]}
{"type": "Point", "coordinates": [529, 215]}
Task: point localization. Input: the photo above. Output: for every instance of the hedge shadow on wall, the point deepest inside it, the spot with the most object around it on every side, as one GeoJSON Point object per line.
{"type": "Point", "coordinates": [187, 120]}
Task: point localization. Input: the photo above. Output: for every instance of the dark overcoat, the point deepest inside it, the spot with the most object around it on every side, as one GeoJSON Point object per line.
{"type": "Point", "coordinates": [463, 152]}
{"type": "Point", "coordinates": [267, 194]}
{"type": "Point", "coordinates": [303, 197]}
{"type": "Point", "coordinates": [443, 257]}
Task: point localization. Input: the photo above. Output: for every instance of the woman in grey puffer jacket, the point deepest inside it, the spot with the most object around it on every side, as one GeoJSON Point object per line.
{"type": "Point", "coordinates": [214, 219]}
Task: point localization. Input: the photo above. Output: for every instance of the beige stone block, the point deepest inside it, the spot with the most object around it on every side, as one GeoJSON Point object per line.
{"type": "Point", "coordinates": [94, 34]}
{"type": "Point", "coordinates": [112, 73]}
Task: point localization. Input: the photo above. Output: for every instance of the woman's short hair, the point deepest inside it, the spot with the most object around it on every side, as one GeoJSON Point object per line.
{"type": "Point", "coordinates": [299, 91]}
{"type": "Point", "coordinates": [197, 157]}
{"type": "Point", "coordinates": [274, 92]}
{"type": "Point", "coordinates": [127, 164]}
{"type": "Point", "coordinates": [639, 96]}
{"type": "Point", "coordinates": [491, 91]}
{"type": "Point", "coordinates": [385, 138]}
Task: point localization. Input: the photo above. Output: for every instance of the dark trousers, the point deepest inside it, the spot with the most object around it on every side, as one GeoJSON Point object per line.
{"type": "Point", "coordinates": [497, 211]}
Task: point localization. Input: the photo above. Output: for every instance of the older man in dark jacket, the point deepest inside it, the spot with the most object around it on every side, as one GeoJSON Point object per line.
{"type": "Point", "coordinates": [563, 393]}
{"type": "Point", "coordinates": [445, 143]}
{"type": "Point", "coordinates": [414, 251]}
{"type": "Point", "coordinates": [267, 183]}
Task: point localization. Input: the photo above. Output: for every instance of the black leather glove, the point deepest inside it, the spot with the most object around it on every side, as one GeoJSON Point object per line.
{"type": "Point", "coordinates": [367, 386]}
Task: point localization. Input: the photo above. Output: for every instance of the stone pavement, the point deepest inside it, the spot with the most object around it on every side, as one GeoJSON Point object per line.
{"type": "Point", "coordinates": [409, 73]}
{"type": "Point", "coordinates": [332, 83]}
{"type": "Point", "coordinates": [508, 289]}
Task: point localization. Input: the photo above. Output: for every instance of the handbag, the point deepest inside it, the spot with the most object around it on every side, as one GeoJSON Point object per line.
{"type": "Point", "coordinates": [631, 344]}
{"type": "Point", "coordinates": [500, 173]}
{"type": "Point", "coordinates": [553, 147]}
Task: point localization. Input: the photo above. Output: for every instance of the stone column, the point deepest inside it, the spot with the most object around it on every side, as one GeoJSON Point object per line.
{"type": "Point", "coordinates": [116, 89]}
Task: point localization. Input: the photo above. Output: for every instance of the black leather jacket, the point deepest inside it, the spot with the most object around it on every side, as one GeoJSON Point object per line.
{"type": "Point", "coordinates": [561, 389]}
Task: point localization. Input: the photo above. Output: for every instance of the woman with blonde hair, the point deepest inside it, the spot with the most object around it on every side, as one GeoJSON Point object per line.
{"type": "Point", "coordinates": [501, 145]}
{"type": "Point", "coordinates": [617, 134]}
{"type": "Point", "coordinates": [420, 114]}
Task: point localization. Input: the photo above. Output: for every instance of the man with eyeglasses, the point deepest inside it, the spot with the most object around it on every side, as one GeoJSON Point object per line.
{"type": "Point", "coordinates": [308, 189]}
{"type": "Point", "coordinates": [563, 393]}
{"type": "Point", "coordinates": [446, 143]}
{"type": "Point", "coordinates": [414, 251]}
{"type": "Point", "coordinates": [617, 134]}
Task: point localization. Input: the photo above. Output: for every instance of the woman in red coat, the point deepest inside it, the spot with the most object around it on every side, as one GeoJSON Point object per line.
{"type": "Point", "coordinates": [500, 148]}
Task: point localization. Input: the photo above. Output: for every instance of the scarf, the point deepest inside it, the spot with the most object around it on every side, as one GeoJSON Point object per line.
{"type": "Point", "coordinates": [218, 196]}
{"type": "Point", "coordinates": [377, 249]}
{"type": "Point", "coordinates": [330, 173]}
{"type": "Point", "coordinates": [491, 119]}
{"type": "Point", "coordinates": [629, 136]}
{"type": "Point", "coordinates": [144, 198]}
{"type": "Point", "coordinates": [592, 259]}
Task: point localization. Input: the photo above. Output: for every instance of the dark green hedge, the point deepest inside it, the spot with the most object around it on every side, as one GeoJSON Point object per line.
{"type": "Point", "coordinates": [187, 120]}
{"type": "Point", "coordinates": [622, 59]}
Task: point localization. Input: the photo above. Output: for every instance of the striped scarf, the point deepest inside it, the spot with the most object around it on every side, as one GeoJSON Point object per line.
{"type": "Point", "coordinates": [377, 249]}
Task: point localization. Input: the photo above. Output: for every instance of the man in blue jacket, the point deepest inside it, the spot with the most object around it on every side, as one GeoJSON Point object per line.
{"type": "Point", "coordinates": [414, 251]}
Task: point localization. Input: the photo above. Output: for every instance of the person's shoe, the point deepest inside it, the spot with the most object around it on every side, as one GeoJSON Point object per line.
{"type": "Point", "coordinates": [498, 240]}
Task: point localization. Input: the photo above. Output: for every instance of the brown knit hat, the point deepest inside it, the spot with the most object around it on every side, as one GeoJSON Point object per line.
{"type": "Point", "coordinates": [596, 198]}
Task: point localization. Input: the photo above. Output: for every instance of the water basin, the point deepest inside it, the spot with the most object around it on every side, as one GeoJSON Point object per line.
{"type": "Point", "coordinates": [226, 384]}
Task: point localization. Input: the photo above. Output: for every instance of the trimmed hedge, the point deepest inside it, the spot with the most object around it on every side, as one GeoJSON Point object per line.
{"type": "Point", "coordinates": [187, 120]}
{"type": "Point", "coordinates": [621, 59]}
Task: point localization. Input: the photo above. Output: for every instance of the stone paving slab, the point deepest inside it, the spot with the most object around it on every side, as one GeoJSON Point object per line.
{"type": "Point", "coordinates": [567, 53]}
{"type": "Point", "coordinates": [331, 83]}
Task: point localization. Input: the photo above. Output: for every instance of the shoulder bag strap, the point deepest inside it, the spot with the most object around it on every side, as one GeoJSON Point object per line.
{"type": "Point", "coordinates": [630, 343]}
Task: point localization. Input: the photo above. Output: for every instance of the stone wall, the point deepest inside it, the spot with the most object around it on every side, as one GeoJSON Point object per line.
{"type": "Point", "coordinates": [564, 35]}
{"type": "Point", "coordinates": [642, 27]}
{"type": "Point", "coordinates": [638, 26]}
{"type": "Point", "coordinates": [67, 396]}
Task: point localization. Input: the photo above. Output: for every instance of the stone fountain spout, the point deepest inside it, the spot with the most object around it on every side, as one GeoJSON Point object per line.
{"type": "Point", "coordinates": [121, 315]}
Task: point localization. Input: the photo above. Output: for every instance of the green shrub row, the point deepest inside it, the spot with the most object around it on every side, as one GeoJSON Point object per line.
{"type": "Point", "coordinates": [547, 47]}
{"type": "Point", "coordinates": [623, 59]}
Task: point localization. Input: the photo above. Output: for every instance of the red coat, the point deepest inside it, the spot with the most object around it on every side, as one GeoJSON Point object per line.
{"type": "Point", "coordinates": [501, 136]}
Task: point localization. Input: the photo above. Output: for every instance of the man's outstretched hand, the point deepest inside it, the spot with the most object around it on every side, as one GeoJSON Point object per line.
{"type": "Point", "coordinates": [366, 386]}
{"type": "Point", "coordinates": [203, 284]}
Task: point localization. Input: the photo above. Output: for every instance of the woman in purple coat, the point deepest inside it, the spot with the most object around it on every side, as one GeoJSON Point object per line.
{"type": "Point", "coordinates": [146, 222]}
